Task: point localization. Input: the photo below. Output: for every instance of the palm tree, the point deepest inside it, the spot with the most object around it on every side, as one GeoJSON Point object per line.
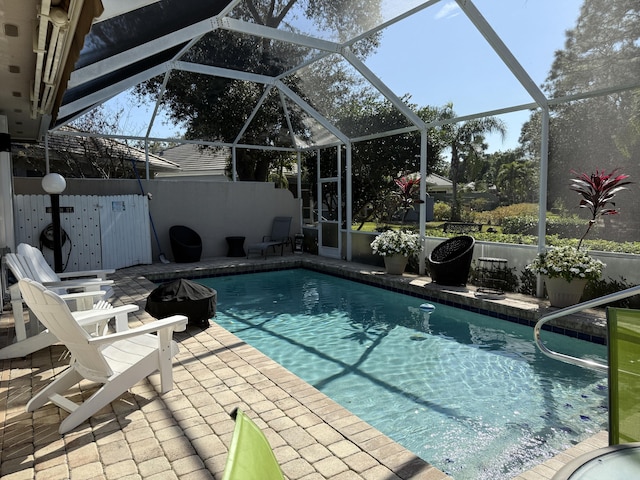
{"type": "Point", "coordinates": [515, 181]}
{"type": "Point", "coordinates": [466, 140]}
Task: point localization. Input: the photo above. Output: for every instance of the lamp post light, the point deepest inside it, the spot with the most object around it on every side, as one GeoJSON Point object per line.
{"type": "Point", "coordinates": [54, 184]}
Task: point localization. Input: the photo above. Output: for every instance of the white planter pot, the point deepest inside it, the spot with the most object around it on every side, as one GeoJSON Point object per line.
{"type": "Point", "coordinates": [563, 293]}
{"type": "Point", "coordinates": [395, 264]}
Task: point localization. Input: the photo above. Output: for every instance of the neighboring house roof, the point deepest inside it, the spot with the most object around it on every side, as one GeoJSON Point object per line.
{"type": "Point", "coordinates": [435, 180]}
{"type": "Point", "coordinates": [94, 147]}
{"type": "Point", "coordinates": [195, 160]}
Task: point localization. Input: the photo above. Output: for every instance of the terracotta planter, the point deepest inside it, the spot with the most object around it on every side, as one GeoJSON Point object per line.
{"type": "Point", "coordinates": [563, 293]}
{"type": "Point", "coordinates": [395, 264]}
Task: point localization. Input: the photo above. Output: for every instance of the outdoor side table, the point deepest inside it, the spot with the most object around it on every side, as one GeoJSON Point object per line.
{"type": "Point", "coordinates": [236, 247]}
{"type": "Point", "coordinates": [492, 275]}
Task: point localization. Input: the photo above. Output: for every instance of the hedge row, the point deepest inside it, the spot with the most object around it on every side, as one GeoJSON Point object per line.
{"type": "Point", "coordinates": [565, 227]}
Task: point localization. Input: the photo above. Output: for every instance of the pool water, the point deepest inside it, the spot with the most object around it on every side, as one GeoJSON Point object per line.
{"type": "Point", "coordinates": [468, 393]}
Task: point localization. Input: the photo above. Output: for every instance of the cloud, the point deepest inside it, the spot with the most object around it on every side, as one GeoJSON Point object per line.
{"type": "Point", "coordinates": [448, 10]}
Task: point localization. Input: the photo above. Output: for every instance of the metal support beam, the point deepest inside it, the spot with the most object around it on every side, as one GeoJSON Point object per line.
{"type": "Point", "coordinates": [503, 52]}
{"type": "Point", "coordinates": [542, 193]}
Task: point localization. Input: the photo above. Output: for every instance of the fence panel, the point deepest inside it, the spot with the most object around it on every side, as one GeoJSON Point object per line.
{"type": "Point", "coordinates": [125, 230]}
{"type": "Point", "coordinates": [98, 232]}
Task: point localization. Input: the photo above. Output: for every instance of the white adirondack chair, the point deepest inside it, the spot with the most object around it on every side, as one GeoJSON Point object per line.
{"type": "Point", "coordinates": [116, 360]}
{"type": "Point", "coordinates": [87, 295]}
{"type": "Point", "coordinates": [44, 273]}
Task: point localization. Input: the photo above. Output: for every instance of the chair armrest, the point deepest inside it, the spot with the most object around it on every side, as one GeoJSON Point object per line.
{"type": "Point", "coordinates": [100, 317]}
{"type": "Point", "coordinates": [79, 283]}
{"type": "Point", "coordinates": [174, 323]}
{"type": "Point", "coordinates": [99, 314]}
{"type": "Point", "coordinates": [98, 274]}
{"type": "Point", "coordinates": [97, 294]}
{"type": "Point", "coordinates": [82, 300]}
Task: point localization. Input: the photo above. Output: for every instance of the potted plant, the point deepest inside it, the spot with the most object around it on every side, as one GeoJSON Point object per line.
{"type": "Point", "coordinates": [566, 269]}
{"type": "Point", "coordinates": [396, 246]}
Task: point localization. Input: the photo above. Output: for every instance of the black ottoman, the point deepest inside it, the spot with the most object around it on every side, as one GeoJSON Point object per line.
{"type": "Point", "coordinates": [236, 247]}
{"type": "Point", "coordinates": [185, 297]}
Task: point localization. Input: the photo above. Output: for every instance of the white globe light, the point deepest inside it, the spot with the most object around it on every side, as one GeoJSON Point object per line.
{"type": "Point", "coordinates": [54, 183]}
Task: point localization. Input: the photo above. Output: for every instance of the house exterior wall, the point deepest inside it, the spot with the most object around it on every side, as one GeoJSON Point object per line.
{"type": "Point", "coordinates": [215, 210]}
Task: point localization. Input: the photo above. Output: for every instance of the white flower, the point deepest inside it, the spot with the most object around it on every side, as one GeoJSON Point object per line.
{"type": "Point", "coordinates": [394, 242]}
{"type": "Point", "coordinates": [567, 262]}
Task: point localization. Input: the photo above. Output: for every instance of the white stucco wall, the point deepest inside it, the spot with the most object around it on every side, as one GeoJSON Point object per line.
{"type": "Point", "coordinates": [213, 209]}
{"type": "Point", "coordinates": [217, 210]}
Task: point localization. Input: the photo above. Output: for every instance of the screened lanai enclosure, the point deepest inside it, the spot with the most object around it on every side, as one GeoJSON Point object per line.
{"type": "Point", "coordinates": [506, 95]}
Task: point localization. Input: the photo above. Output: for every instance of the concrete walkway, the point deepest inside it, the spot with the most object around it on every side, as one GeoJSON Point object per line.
{"type": "Point", "coordinates": [185, 433]}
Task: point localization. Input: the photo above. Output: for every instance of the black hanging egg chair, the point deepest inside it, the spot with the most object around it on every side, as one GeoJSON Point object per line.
{"type": "Point", "coordinates": [450, 261]}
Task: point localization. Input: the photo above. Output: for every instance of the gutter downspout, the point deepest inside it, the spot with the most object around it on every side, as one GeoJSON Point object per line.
{"type": "Point", "coordinates": [39, 47]}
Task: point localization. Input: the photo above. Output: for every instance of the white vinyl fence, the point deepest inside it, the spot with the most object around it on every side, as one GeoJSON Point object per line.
{"type": "Point", "coordinates": [101, 231]}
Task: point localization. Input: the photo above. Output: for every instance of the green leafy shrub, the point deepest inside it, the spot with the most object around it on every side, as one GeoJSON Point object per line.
{"type": "Point", "coordinates": [567, 227]}
{"type": "Point", "coordinates": [495, 216]}
{"type": "Point", "coordinates": [551, 240]}
{"type": "Point", "coordinates": [441, 211]}
{"type": "Point", "coordinates": [528, 283]}
{"type": "Point", "coordinates": [601, 287]}
{"type": "Point", "coordinates": [501, 278]}
{"type": "Point", "coordinates": [522, 225]}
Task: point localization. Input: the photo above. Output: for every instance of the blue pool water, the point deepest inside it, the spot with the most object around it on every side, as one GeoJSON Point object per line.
{"type": "Point", "coordinates": [468, 393]}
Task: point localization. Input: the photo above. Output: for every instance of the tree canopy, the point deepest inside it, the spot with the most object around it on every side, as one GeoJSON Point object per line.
{"type": "Point", "coordinates": [598, 130]}
{"type": "Point", "coordinates": [216, 108]}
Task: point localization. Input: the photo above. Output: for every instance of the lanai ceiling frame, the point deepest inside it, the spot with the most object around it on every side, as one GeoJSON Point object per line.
{"type": "Point", "coordinates": [201, 28]}
{"type": "Point", "coordinates": [191, 33]}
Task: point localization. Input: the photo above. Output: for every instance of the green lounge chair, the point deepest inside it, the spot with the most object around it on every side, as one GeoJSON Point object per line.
{"type": "Point", "coordinates": [621, 457]}
{"type": "Point", "coordinates": [250, 455]}
{"type": "Point", "coordinates": [624, 375]}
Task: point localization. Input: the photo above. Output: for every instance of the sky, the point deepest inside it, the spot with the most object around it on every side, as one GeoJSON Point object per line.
{"type": "Point", "coordinates": [451, 62]}
{"type": "Point", "coordinates": [437, 56]}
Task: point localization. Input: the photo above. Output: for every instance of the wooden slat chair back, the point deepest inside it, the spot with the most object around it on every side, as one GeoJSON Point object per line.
{"type": "Point", "coordinates": [43, 272]}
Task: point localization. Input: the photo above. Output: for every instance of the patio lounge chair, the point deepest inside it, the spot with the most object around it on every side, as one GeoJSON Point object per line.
{"type": "Point", "coordinates": [117, 361]}
{"type": "Point", "coordinates": [624, 375]}
{"type": "Point", "coordinates": [450, 261]}
{"type": "Point", "coordinates": [250, 455]}
{"type": "Point", "coordinates": [279, 238]}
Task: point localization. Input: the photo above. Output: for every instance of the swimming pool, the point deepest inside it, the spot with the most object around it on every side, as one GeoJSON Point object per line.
{"type": "Point", "coordinates": [468, 393]}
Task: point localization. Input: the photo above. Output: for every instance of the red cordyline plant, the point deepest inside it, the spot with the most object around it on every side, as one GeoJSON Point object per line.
{"type": "Point", "coordinates": [597, 191]}
{"type": "Point", "coordinates": [408, 189]}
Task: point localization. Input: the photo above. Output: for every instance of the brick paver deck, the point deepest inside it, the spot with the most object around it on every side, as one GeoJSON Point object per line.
{"type": "Point", "coordinates": [185, 433]}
